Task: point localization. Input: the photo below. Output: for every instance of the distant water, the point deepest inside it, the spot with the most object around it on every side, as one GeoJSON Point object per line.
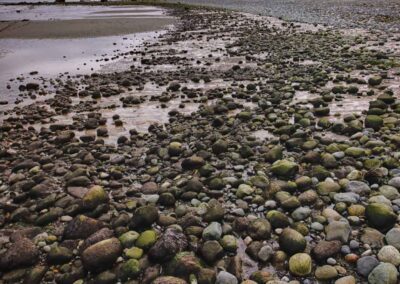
{"type": "Point", "coordinates": [382, 14]}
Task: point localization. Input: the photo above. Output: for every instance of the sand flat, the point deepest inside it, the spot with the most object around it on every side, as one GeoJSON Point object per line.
{"type": "Point", "coordinates": [79, 28]}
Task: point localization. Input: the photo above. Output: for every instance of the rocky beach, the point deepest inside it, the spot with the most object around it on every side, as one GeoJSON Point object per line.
{"type": "Point", "coordinates": [231, 148]}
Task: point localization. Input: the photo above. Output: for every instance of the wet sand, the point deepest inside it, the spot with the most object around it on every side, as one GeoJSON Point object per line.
{"type": "Point", "coordinates": [54, 22]}
{"type": "Point", "coordinates": [80, 28]}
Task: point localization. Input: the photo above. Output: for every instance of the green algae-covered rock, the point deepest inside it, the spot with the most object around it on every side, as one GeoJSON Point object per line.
{"type": "Point", "coordinates": [291, 241]}
{"type": "Point", "coordinates": [285, 168]}
{"type": "Point", "coordinates": [277, 219]}
{"type": "Point", "coordinates": [373, 121]}
{"type": "Point", "coordinates": [380, 216]}
{"type": "Point", "coordinates": [94, 197]}
{"type": "Point", "coordinates": [128, 239]}
{"type": "Point", "coordinates": [146, 239]}
{"type": "Point", "coordinates": [300, 264]}
{"type": "Point", "coordinates": [129, 269]}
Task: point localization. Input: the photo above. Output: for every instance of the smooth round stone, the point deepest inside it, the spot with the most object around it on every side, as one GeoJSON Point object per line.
{"type": "Point", "coordinates": [389, 254]}
{"type": "Point", "coordinates": [366, 264]}
{"type": "Point", "coordinates": [151, 198]}
{"type": "Point", "coordinates": [224, 277]}
{"type": "Point", "coordinates": [347, 197]}
{"type": "Point", "coordinates": [367, 252]}
{"type": "Point", "coordinates": [326, 272]}
{"type": "Point", "coordinates": [345, 249]}
{"type": "Point", "coordinates": [212, 231]}
{"type": "Point", "coordinates": [301, 213]}
{"type": "Point", "coordinates": [393, 237]}
{"type": "Point", "coordinates": [195, 202]}
{"type": "Point", "coordinates": [270, 204]}
{"type": "Point", "coordinates": [395, 182]}
{"type": "Point", "coordinates": [331, 261]}
{"type": "Point", "coordinates": [358, 187]}
{"type": "Point", "coordinates": [317, 226]}
{"type": "Point", "coordinates": [354, 220]}
{"type": "Point", "coordinates": [339, 155]}
{"type": "Point", "coordinates": [238, 212]}
{"type": "Point", "coordinates": [389, 192]}
{"type": "Point", "coordinates": [265, 253]}
{"type": "Point", "coordinates": [346, 280]}
{"type": "Point", "coordinates": [354, 244]}
{"type": "Point", "coordinates": [384, 273]}
{"type": "Point", "coordinates": [66, 218]}
{"type": "Point", "coordinates": [300, 264]}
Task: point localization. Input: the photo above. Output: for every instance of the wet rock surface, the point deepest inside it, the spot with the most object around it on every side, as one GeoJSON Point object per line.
{"type": "Point", "coordinates": [235, 148]}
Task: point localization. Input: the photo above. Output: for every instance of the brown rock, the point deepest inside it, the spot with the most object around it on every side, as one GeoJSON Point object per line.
{"type": "Point", "coordinates": [21, 253]}
{"type": "Point", "coordinates": [326, 249]}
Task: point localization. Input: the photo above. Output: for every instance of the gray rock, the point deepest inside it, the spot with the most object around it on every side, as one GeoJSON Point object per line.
{"type": "Point", "coordinates": [380, 199]}
{"type": "Point", "coordinates": [265, 253]}
{"type": "Point", "coordinates": [389, 254]}
{"type": "Point", "coordinates": [366, 264]}
{"type": "Point", "coordinates": [212, 231]}
{"type": "Point", "coordinates": [338, 230]}
{"type": "Point", "coordinates": [395, 182]}
{"type": "Point", "coordinates": [224, 277]}
{"type": "Point", "coordinates": [358, 187]}
{"type": "Point", "coordinates": [384, 273]}
{"type": "Point", "coordinates": [348, 197]}
{"type": "Point", "coordinates": [301, 213]}
{"type": "Point", "coordinates": [317, 226]}
{"type": "Point", "coordinates": [390, 192]}
{"type": "Point", "coordinates": [393, 238]}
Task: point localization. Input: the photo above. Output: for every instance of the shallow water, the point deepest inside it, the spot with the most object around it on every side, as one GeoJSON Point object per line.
{"type": "Point", "coordinates": [70, 56]}
{"type": "Point", "coordinates": [50, 57]}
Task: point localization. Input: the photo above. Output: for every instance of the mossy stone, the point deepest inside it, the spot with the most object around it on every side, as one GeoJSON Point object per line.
{"type": "Point", "coordinates": [146, 239]}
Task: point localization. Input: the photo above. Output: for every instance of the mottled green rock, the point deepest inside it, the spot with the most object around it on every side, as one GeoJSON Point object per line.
{"type": "Point", "coordinates": [284, 168]}
{"type": "Point", "coordinates": [146, 239]}
{"type": "Point", "coordinates": [380, 216]}
{"type": "Point", "coordinates": [300, 264]}
{"type": "Point", "coordinates": [291, 241]}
